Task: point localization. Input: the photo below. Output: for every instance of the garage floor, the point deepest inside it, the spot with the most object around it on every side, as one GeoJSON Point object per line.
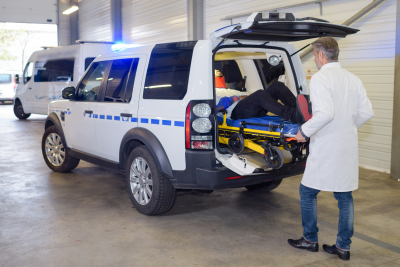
{"type": "Point", "coordinates": [85, 218]}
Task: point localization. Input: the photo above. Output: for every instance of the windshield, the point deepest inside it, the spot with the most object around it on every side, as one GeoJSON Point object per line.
{"type": "Point", "coordinates": [5, 78]}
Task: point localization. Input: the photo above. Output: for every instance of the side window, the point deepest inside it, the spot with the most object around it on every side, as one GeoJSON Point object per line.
{"type": "Point", "coordinates": [59, 70]}
{"type": "Point", "coordinates": [28, 72]}
{"type": "Point", "coordinates": [168, 72]}
{"type": "Point", "coordinates": [117, 79]}
{"type": "Point", "coordinates": [271, 73]}
{"type": "Point", "coordinates": [131, 80]}
{"type": "Point", "coordinates": [89, 88]}
{"type": "Point", "coordinates": [232, 74]}
{"type": "Point", "coordinates": [88, 60]}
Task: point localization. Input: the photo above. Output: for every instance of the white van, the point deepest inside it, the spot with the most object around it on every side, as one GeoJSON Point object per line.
{"type": "Point", "coordinates": [151, 112]}
{"type": "Point", "coordinates": [49, 71]}
{"type": "Point", "coordinates": [7, 86]}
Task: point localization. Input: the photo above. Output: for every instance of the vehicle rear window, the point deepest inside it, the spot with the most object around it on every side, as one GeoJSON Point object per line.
{"type": "Point", "coordinates": [59, 70]}
{"type": "Point", "coordinates": [168, 72]}
{"type": "Point", "coordinates": [5, 78]}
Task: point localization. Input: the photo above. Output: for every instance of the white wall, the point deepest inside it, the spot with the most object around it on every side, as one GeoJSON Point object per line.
{"type": "Point", "coordinates": [369, 54]}
{"type": "Point", "coordinates": [155, 21]}
{"type": "Point", "coordinates": [95, 20]}
{"type": "Point", "coordinates": [64, 34]}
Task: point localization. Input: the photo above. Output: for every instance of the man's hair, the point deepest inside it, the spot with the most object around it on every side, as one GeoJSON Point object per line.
{"type": "Point", "coordinates": [328, 46]}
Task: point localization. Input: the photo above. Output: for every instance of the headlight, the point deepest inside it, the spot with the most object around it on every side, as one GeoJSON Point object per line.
{"type": "Point", "coordinates": [274, 60]}
{"type": "Point", "coordinates": [202, 110]}
{"type": "Point", "coordinates": [202, 125]}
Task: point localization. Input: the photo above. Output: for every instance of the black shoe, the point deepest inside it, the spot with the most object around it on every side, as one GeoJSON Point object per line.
{"type": "Point", "coordinates": [303, 244]}
{"type": "Point", "coordinates": [343, 254]}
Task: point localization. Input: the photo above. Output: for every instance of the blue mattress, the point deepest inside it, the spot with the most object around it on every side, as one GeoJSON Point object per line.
{"type": "Point", "coordinates": [288, 126]}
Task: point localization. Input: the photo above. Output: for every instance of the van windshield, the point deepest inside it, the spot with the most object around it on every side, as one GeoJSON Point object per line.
{"type": "Point", "coordinates": [5, 78]}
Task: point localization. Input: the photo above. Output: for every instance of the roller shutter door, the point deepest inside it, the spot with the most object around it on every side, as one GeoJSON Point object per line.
{"type": "Point", "coordinates": [95, 20]}
{"type": "Point", "coordinates": [152, 22]}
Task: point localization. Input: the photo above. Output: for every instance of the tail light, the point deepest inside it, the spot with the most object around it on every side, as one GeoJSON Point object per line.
{"type": "Point", "coordinates": [199, 125]}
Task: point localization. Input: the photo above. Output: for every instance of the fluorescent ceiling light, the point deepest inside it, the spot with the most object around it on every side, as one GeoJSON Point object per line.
{"type": "Point", "coordinates": [70, 10]}
{"type": "Point", "coordinates": [158, 86]}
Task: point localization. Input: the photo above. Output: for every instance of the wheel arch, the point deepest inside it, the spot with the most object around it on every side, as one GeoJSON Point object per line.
{"type": "Point", "coordinates": [51, 120]}
{"type": "Point", "coordinates": [140, 136]}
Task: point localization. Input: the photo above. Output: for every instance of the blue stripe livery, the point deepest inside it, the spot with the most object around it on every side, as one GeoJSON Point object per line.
{"type": "Point", "coordinates": [109, 117]}
{"type": "Point", "coordinates": [133, 119]}
{"type": "Point", "coordinates": [142, 120]}
{"type": "Point", "coordinates": [116, 118]}
{"type": "Point", "coordinates": [95, 116]}
{"type": "Point", "coordinates": [179, 123]}
{"type": "Point", "coordinates": [102, 117]}
{"type": "Point", "coordinates": [165, 122]}
{"type": "Point", "coordinates": [153, 121]}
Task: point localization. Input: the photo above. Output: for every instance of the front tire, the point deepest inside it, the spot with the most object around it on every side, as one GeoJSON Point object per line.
{"type": "Point", "coordinates": [55, 153]}
{"type": "Point", "coordinates": [19, 111]}
{"type": "Point", "coordinates": [149, 191]}
{"type": "Point", "coordinates": [264, 187]}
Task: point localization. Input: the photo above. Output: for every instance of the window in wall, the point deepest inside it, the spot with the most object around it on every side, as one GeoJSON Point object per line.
{"type": "Point", "coordinates": [168, 72]}
{"type": "Point", "coordinates": [89, 88]}
{"type": "Point", "coordinates": [28, 72]}
{"type": "Point", "coordinates": [59, 70]}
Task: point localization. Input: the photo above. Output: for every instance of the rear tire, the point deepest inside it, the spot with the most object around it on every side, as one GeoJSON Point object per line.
{"type": "Point", "coordinates": [55, 153]}
{"type": "Point", "coordinates": [19, 111]}
{"type": "Point", "coordinates": [264, 187]}
{"type": "Point", "coordinates": [149, 191]}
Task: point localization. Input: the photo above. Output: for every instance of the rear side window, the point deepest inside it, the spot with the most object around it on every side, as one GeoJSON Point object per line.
{"type": "Point", "coordinates": [168, 72]}
{"type": "Point", "coordinates": [231, 71]}
{"type": "Point", "coordinates": [117, 80]}
{"type": "Point", "coordinates": [59, 70]}
{"type": "Point", "coordinates": [271, 73]}
{"type": "Point", "coordinates": [88, 60]}
{"type": "Point", "coordinates": [5, 78]}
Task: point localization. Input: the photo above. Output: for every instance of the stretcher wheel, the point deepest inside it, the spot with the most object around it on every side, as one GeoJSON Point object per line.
{"type": "Point", "coordinates": [236, 143]}
{"type": "Point", "coordinates": [276, 159]}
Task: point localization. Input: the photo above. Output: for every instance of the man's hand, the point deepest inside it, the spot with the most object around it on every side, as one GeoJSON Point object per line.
{"type": "Point", "coordinates": [300, 137]}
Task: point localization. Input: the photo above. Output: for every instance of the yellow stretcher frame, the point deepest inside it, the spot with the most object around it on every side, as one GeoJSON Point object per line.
{"type": "Point", "coordinates": [249, 142]}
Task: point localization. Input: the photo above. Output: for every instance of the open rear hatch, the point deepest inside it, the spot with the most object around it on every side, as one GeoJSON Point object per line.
{"type": "Point", "coordinates": [258, 29]}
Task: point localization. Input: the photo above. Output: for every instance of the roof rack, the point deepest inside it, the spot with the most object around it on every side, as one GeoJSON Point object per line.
{"type": "Point", "coordinates": [93, 42]}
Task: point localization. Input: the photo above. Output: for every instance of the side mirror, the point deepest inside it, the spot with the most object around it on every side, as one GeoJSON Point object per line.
{"type": "Point", "coordinates": [68, 92]}
{"type": "Point", "coordinates": [16, 78]}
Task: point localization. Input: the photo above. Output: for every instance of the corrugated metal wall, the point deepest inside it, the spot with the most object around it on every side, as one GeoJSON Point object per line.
{"type": "Point", "coordinates": [369, 54]}
{"type": "Point", "coordinates": [95, 20]}
{"type": "Point", "coordinates": [151, 22]}
{"type": "Point", "coordinates": [64, 34]}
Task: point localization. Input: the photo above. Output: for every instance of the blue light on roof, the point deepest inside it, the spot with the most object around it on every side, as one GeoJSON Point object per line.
{"type": "Point", "coordinates": [120, 46]}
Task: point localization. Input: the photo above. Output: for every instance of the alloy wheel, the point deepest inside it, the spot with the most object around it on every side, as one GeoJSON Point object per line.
{"type": "Point", "coordinates": [141, 181]}
{"type": "Point", "coordinates": [54, 149]}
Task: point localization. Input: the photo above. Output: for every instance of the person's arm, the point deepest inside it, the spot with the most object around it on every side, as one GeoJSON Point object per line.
{"type": "Point", "coordinates": [322, 107]}
{"type": "Point", "coordinates": [364, 108]}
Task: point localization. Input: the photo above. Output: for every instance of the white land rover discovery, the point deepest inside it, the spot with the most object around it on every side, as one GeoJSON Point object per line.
{"type": "Point", "coordinates": [150, 111]}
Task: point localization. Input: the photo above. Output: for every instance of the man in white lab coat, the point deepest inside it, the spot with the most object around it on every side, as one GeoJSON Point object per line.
{"type": "Point", "coordinates": [340, 106]}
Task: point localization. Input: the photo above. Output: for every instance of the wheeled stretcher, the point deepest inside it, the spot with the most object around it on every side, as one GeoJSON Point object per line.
{"type": "Point", "coordinates": [268, 135]}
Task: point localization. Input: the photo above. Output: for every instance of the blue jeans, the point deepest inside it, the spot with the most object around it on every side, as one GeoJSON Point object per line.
{"type": "Point", "coordinates": [308, 203]}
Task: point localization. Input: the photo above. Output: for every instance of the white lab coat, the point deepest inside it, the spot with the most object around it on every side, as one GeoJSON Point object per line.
{"type": "Point", "coordinates": [340, 106]}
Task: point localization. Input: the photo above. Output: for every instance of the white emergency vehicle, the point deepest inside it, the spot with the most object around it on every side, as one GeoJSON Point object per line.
{"type": "Point", "coordinates": [150, 111]}
{"type": "Point", "coordinates": [7, 86]}
{"type": "Point", "coordinates": [50, 70]}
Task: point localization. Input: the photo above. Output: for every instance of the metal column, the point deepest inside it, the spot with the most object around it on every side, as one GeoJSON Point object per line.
{"type": "Point", "coordinates": [395, 159]}
{"type": "Point", "coordinates": [73, 22]}
{"type": "Point", "coordinates": [195, 19]}
{"type": "Point", "coordinates": [116, 20]}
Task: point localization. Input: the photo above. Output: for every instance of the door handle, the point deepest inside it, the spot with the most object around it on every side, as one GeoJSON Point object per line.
{"type": "Point", "coordinates": [126, 115]}
{"type": "Point", "coordinates": [89, 111]}
{"type": "Point", "coordinates": [29, 88]}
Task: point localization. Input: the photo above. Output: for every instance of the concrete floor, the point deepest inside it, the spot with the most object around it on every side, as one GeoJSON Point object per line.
{"type": "Point", "coordinates": [85, 218]}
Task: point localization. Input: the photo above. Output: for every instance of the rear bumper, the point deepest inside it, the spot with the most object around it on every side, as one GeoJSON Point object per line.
{"type": "Point", "coordinates": [216, 176]}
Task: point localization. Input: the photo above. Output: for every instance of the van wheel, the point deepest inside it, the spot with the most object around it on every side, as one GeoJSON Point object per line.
{"type": "Point", "coordinates": [264, 187]}
{"type": "Point", "coordinates": [19, 111]}
{"type": "Point", "coordinates": [149, 191]}
{"type": "Point", "coordinates": [54, 152]}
